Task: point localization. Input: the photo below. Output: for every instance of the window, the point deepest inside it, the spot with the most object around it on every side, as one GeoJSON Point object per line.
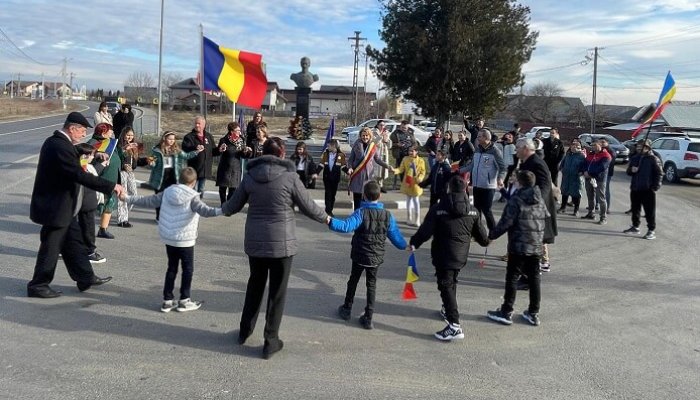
{"type": "Point", "coordinates": [657, 144]}
{"type": "Point", "coordinates": [694, 147]}
{"type": "Point", "coordinates": [670, 145]}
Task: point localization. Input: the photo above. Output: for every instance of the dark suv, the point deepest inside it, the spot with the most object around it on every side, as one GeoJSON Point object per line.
{"type": "Point", "coordinates": [622, 154]}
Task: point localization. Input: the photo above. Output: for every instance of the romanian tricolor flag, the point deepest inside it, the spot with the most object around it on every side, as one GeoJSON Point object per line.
{"type": "Point", "coordinates": [106, 146]}
{"type": "Point", "coordinates": [665, 97]}
{"type": "Point", "coordinates": [411, 276]}
{"type": "Point", "coordinates": [329, 133]}
{"type": "Point", "coordinates": [237, 73]}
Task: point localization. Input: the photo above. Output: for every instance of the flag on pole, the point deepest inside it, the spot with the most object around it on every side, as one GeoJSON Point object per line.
{"type": "Point", "coordinates": [237, 73]}
{"type": "Point", "coordinates": [411, 276]}
{"type": "Point", "coordinates": [106, 146]}
{"type": "Point", "coordinates": [667, 93]}
{"type": "Point", "coordinates": [329, 134]}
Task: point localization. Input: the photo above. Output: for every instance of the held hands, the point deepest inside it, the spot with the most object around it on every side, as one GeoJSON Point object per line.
{"type": "Point", "coordinates": [500, 183]}
{"type": "Point", "coordinates": [410, 249]}
{"type": "Point", "coordinates": [328, 219]}
{"type": "Point", "coordinates": [350, 171]}
{"type": "Point", "coordinates": [395, 171]}
{"type": "Point", "coordinates": [119, 190]}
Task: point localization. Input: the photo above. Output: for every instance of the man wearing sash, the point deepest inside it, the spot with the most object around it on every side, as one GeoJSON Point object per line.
{"type": "Point", "coordinates": [361, 160]}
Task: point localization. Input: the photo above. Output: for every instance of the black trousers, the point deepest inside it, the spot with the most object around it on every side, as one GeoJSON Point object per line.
{"type": "Point", "coordinates": [434, 197]}
{"type": "Point", "coordinates": [522, 265]}
{"type": "Point", "coordinates": [646, 199]}
{"type": "Point", "coordinates": [370, 281]}
{"type": "Point", "coordinates": [483, 200]}
{"type": "Point", "coordinates": [554, 172]}
{"type": "Point", "coordinates": [86, 219]}
{"type": "Point", "coordinates": [225, 193]}
{"type": "Point", "coordinates": [447, 285]}
{"type": "Point", "coordinates": [575, 200]}
{"type": "Point", "coordinates": [356, 200]}
{"type": "Point", "coordinates": [278, 271]}
{"type": "Point", "coordinates": [330, 188]}
{"type": "Point", "coordinates": [175, 256]}
{"type": "Point", "coordinates": [68, 241]}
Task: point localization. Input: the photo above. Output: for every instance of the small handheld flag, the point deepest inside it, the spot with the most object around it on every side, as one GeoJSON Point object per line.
{"type": "Point", "coordinates": [106, 146]}
{"type": "Point", "coordinates": [329, 134]}
{"type": "Point", "coordinates": [482, 262]}
{"type": "Point", "coordinates": [241, 120]}
{"type": "Point", "coordinates": [411, 276]}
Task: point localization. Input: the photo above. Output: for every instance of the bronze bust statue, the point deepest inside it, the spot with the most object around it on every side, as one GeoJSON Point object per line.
{"type": "Point", "coordinates": [304, 78]}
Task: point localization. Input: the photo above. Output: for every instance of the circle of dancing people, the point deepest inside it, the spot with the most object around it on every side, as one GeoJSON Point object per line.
{"type": "Point", "coordinates": [69, 190]}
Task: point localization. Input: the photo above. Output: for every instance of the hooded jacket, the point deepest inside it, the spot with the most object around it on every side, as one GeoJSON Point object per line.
{"type": "Point", "coordinates": [180, 208]}
{"type": "Point", "coordinates": [452, 224]}
{"type": "Point", "coordinates": [272, 188]}
{"type": "Point", "coordinates": [649, 175]}
{"type": "Point", "coordinates": [524, 220]}
{"type": "Point", "coordinates": [486, 167]}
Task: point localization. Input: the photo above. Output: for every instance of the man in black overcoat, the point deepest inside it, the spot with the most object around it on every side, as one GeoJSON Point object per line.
{"type": "Point", "coordinates": [56, 201]}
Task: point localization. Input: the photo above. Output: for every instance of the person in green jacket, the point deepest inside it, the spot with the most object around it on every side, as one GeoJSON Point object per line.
{"type": "Point", "coordinates": [112, 163]}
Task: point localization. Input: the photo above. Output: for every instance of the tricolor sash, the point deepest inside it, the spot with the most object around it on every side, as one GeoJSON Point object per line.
{"type": "Point", "coordinates": [369, 154]}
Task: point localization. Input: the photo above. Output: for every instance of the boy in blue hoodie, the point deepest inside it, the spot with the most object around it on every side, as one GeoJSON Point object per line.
{"type": "Point", "coordinates": [371, 224]}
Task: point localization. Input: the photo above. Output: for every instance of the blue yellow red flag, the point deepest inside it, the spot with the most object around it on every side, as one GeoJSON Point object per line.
{"type": "Point", "coordinates": [665, 97]}
{"type": "Point", "coordinates": [412, 275]}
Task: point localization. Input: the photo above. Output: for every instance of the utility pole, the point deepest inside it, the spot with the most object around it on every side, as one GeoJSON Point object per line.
{"type": "Point", "coordinates": [364, 86]}
{"type": "Point", "coordinates": [595, 79]}
{"type": "Point", "coordinates": [160, 67]}
{"type": "Point", "coordinates": [63, 81]}
{"type": "Point", "coordinates": [356, 46]}
{"type": "Point", "coordinates": [42, 86]}
{"type": "Point", "coordinates": [19, 84]}
{"type": "Point", "coordinates": [12, 87]}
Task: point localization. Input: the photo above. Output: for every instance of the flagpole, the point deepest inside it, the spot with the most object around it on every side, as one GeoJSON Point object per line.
{"type": "Point", "coordinates": [201, 69]}
{"type": "Point", "coordinates": [233, 112]}
{"type": "Point", "coordinates": [160, 67]}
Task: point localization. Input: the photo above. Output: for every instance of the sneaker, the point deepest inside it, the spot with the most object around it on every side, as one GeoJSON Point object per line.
{"type": "Point", "coordinates": [533, 319]}
{"type": "Point", "coordinates": [504, 258]}
{"type": "Point", "coordinates": [588, 216]}
{"type": "Point", "coordinates": [188, 305]}
{"type": "Point", "coordinates": [561, 210]}
{"type": "Point", "coordinates": [632, 229]}
{"type": "Point", "coordinates": [96, 258]}
{"type": "Point", "coordinates": [102, 233]}
{"type": "Point", "coordinates": [545, 267]}
{"type": "Point", "coordinates": [344, 312]}
{"type": "Point", "coordinates": [650, 235]}
{"type": "Point", "coordinates": [443, 313]}
{"type": "Point", "coordinates": [628, 212]}
{"type": "Point", "coordinates": [602, 221]}
{"type": "Point", "coordinates": [499, 316]}
{"type": "Point", "coordinates": [168, 305]}
{"type": "Point", "coordinates": [124, 224]}
{"type": "Point", "coordinates": [366, 322]}
{"type": "Point", "coordinates": [450, 332]}
{"type": "Point", "coordinates": [575, 214]}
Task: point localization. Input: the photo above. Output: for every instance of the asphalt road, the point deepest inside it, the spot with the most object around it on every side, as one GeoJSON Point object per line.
{"type": "Point", "coordinates": [619, 316]}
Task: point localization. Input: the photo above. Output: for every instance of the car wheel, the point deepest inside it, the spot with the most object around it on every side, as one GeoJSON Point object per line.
{"type": "Point", "coordinates": [671, 173]}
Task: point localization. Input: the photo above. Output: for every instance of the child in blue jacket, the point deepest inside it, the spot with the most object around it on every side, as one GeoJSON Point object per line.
{"type": "Point", "coordinates": [372, 225]}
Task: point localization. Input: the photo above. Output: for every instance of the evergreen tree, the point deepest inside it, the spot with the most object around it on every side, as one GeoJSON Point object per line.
{"type": "Point", "coordinates": [452, 56]}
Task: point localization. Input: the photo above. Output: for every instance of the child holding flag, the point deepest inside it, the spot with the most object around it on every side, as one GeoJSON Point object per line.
{"type": "Point", "coordinates": [372, 225]}
{"type": "Point", "coordinates": [452, 223]}
{"type": "Point", "coordinates": [413, 169]}
{"type": "Point", "coordinates": [333, 161]}
{"type": "Point", "coordinates": [91, 200]}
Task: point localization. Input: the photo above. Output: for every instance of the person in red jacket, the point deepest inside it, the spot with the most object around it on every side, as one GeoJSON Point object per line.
{"type": "Point", "coordinates": [596, 174]}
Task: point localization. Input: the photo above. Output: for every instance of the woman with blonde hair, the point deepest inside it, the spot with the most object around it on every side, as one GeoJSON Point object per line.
{"type": "Point", "coordinates": [131, 155]}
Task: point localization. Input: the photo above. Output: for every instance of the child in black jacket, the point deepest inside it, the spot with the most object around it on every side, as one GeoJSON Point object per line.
{"type": "Point", "coordinates": [333, 161]}
{"type": "Point", "coordinates": [440, 174]}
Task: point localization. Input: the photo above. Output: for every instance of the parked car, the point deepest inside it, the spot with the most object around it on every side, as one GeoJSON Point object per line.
{"type": "Point", "coordinates": [369, 123]}
{"type": "Point", "coordinates": [428, 126]}
{"type": "Point", "coordinates": [680, 157]}
{"type": "Point", "coordinates": [632, 143]}
{"type": "Point", "coordinates": [420, 135]}
{"type": "Point", "coordinates": [622, 153]}
{"type": "Point", "coordinates": [533, 131]}
{"type": "Point", "coordinates": [113, 107]}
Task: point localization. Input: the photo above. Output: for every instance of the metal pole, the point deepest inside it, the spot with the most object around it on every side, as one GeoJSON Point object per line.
{"type": "Point", "coordinates": [201, 69]}
{"type": "Point", "coordinates": [160, 67]}
{"type": "Point", "coordinates": [63, 87]}
{"type": "Point", "coordinates": [42, 86]}
{"type": "Point", "coordinates": [595, 76]}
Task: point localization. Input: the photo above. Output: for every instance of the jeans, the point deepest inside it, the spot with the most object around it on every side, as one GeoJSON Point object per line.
{"type": "Point", "coordinates": [483, 200]}
{"type": "Point", "coordinates": [596, 194]}
{"type": "Point", "coordinates": [175, 256]}
{"type": "Point", "coordinates": [370, 281]}
{"type": "Point", "coordinates": [200, 185]}
{"type": "Point", "coordinates": [278, 270]}
{"type": "Point", "coordinates": [646, 199]}
{"type": "Point", "coordinates": [522, 265]}
{"type": "Point", "coordinates": [447, 285]}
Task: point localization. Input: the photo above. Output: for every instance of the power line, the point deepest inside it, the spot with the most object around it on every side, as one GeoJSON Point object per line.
{"type": "Point", "coordinates": [582, 62]}
{"type": "Point", "coordinates": [654, 38]}
{"type": "Point", "coordinates": [25, 55]}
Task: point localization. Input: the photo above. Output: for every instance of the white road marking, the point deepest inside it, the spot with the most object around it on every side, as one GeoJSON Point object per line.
{"type": "Point", "coordinates": [32, 129]}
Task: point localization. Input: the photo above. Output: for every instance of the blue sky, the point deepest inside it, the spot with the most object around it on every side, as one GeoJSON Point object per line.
{"type": "Point", "coordinates": [108, 40]}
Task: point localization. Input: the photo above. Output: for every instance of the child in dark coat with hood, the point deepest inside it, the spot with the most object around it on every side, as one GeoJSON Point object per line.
{"type": "Point", "coordinates": [452, 224]}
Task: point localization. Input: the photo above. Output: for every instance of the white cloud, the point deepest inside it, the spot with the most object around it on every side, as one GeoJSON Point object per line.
{"type": "Point", "coordinates": [63, 45]}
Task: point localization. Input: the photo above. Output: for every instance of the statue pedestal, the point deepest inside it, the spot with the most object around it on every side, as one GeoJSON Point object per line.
{"type": "Point", "coordinates": [302, 102]}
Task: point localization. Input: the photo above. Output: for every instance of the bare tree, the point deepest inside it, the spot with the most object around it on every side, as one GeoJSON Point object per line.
{"type": "Point", "coordinates": [542, 97]}
{"type": "Point", "coordinates": [168, 79]}
{"type": "Point", "coordinates": [139, 85]}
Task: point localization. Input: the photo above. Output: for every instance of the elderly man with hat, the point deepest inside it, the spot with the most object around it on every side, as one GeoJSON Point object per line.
{"type": "Point", "coordinates": [646, 172]}
{"type": "Point", "coordinates": [56, 201]}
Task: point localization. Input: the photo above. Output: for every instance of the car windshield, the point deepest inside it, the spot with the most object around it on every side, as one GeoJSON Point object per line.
{"type": "Point", "coordinates": [610, 139]}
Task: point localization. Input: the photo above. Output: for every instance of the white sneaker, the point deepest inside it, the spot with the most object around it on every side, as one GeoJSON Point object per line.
{"type": "Point", "coordinates": [188, 305]}
{"type": "Point", "coordinates": [450, 332]}
{"type": "Point", "coordinates": [168, 305]}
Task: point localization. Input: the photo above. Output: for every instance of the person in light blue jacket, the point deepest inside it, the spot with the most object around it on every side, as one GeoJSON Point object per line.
{"type": "Point", "coordinates": [487, 173]}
